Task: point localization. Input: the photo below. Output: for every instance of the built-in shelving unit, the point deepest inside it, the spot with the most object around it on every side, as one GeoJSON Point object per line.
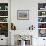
{"type": "Point", "coordinates": [42, 19]}
{"type": "Point", "coordinates": [4, 19]}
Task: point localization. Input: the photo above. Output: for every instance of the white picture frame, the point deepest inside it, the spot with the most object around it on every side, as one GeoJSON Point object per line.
{"type": "Point", "coordinates": [22, 14]}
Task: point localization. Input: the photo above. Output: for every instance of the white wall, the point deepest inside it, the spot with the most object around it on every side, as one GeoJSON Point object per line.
{"type": "Point", "coordinates": [24, 5]}
{"type": "Point", "coordinates": [32, 6]}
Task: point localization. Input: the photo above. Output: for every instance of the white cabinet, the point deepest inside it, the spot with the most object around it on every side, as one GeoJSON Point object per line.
{"type": "Point", "coordinates": [4, 21]}
{"type": "Point", "coordinates": [3, 40]}
{"type": "Point", "coordinates": [41, 41]}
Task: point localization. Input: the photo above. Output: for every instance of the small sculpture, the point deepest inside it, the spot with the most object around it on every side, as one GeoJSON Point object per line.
{"type": "Point", "coordinates": [31, 27]}
{"type": "Point", "coordinates": [13, 27]}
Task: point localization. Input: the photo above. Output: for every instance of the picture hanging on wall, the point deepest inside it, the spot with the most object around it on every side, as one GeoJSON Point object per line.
{"type": "Point", "coordinates": [22, 14]}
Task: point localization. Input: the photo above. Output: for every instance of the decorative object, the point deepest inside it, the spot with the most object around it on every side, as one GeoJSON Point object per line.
{"type": "Point", "coordinates": [42, 32]}
{"type": "Point", "coordinates": [13, 27]}
{"type": "Point", "coordinates": [31, 27]}
{"type": "Point", "coordinates": [6, 7]}
{"type": "Point", "coordinates": [43, 13]}
{"type": "Point", "coordinates": [41, 25]}
{"type": "Point", "coordinates": [3, 6]}
{"type": "Point", "coordinates": [23, 14]}
{"type": "Point", "coordinates": [4, 29]}
{"type": "Point", "coordinates": [3, 19]}
{"type": "Point", "coordinates": [41, 6]}
{"type": "Point", "coordinates": [4, 26]}
{"type": "Point", "coordinates": [41, 19]}
{"type": "Point", "coordinates": [23, 40]}
{"type": "Point", "coordinates": [27, 38]}
{"type": "Point", "coordinates": [0, 7]}
{"type": "Point", "coordinates": [3, 13]}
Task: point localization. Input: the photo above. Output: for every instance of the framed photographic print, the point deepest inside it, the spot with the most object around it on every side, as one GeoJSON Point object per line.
{"type": "Point", "coordinates": [22, 14]}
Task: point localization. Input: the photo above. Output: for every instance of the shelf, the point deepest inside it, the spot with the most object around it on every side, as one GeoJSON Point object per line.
{"type": "Point", "coordinates": [41, 10]}
{"type": "Point", "coordinates": [3, 16]}
{"type": "Point", "coordinates": [4, 19]}
{"type": "Point", "coordinates": [3, 22]}
{"type": "Point", "coordinates": [3, 10]}
{"type": "Point", "coordinates": [42, 19]}
{"type": "Point", "coordinates": [41, 28]}
{"type": "Point", "coordinates": [42, 16]}
{"type": "Point", "coordinates": [41, 22]}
